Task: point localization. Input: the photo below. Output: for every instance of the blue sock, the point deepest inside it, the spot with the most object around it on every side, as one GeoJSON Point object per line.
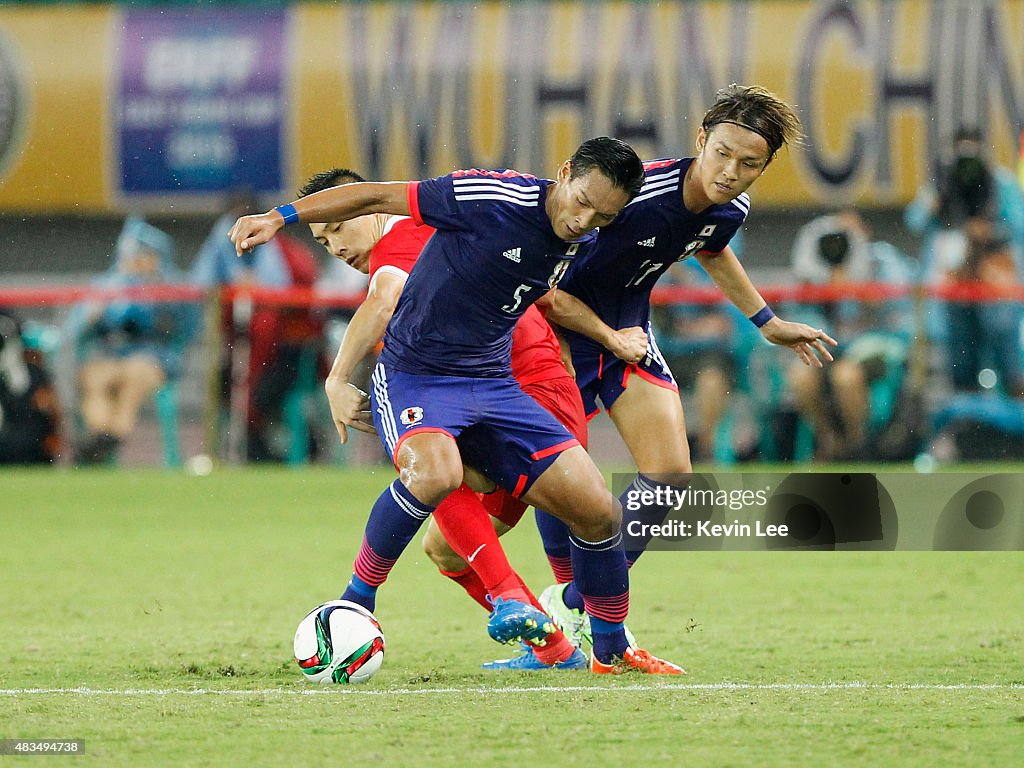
{"type": "Point", "coordinates": [394, 520]}
{"type": "Point", "coordinates": [554, 536]}
{"type": "Point", "coordinates": [600, 572]}
{"type": "Point", "coordinates": [361, 593]}
{"type": "Point", "coordinates": [607, 636]}
{"type": "Point", "coordinates": [572, 597]}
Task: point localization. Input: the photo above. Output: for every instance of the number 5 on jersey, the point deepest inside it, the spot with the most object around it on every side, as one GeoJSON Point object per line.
{"type": "Point", "coordinates": [517, 299]}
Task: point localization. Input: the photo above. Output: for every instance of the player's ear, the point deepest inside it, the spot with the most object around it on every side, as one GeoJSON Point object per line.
{"type": "Point", "coordinates": [565, 171]}
{"type": "Point", "coordinates": [702, 137]}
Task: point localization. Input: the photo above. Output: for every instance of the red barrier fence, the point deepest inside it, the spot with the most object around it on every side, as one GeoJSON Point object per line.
{"type": "Point", "coordinates": [38, 296]}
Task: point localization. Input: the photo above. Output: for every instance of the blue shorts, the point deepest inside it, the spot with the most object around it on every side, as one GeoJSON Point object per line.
{"type": "Point", "coordinates": [500, 430]}
{"type": "Point", "coordinates": [599, 374]}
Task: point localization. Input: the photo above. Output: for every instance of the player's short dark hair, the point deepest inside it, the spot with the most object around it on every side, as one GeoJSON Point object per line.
{"type": "Point", "coordinates": [756, 109]}
{"type": "Point", "coordinates": [327, 179]}
{"type": "Point", "coordinates": [612, 157]}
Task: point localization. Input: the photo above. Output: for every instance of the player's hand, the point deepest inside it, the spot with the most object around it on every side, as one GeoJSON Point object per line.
{"type": "Point", "coordinates": [249, 231]}
{"type": "Point", "coordinates": [350, 407]}
{"type": "Point", "coordinates": [808, 343]}
{"type": "Point", "coordinates": [629, 344]}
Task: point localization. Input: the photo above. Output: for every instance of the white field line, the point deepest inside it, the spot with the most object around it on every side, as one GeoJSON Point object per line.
{"type": "Point", "coordinates": [334, 690]}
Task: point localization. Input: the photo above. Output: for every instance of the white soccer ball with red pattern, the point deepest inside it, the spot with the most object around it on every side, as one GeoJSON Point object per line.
{"type": "Point", "coordinates": [339, 642]}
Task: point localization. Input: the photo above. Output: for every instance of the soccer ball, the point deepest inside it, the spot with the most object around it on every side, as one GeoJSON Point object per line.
{"type": "Point", "coordinates": [339, 642]}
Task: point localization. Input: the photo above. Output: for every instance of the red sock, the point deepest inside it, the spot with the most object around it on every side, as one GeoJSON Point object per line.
{"type": "Point", "coordinates": [469, 581]}
{"type": "Point", "coordinates": [467, 527]}
{"type": "Point", "coordinates": [556, 649]}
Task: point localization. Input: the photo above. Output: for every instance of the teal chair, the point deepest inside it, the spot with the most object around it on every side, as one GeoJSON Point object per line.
{"type": "Point", "coordinates": [299, 401]}
{"type": "Point", "coordinates": [166, 402]}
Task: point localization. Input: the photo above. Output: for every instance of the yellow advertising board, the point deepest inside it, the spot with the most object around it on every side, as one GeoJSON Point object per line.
{"type": "Point", "coordinates": [118, 108]}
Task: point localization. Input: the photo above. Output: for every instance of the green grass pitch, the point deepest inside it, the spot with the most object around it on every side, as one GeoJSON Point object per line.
{"type": "Point", "coordinates": [151, 614]}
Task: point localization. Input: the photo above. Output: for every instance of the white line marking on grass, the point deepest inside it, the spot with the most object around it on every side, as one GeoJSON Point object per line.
{"type": "Point", "coordinates": [332, 690]}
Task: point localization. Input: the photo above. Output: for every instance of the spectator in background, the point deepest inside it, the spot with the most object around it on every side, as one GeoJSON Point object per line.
{"type": "Point", "coordinates": [128, 347]}
{"type": "Point", "coordinates": [985, 334]}
{"type": "Point", "coordinates": [29, 411]}
{"type": "Point", "coordinates": [972, 221]}
{"type": "Point", "coordinates": [849, 407]}
{"type": "Point", "coordinates": [265, 345]}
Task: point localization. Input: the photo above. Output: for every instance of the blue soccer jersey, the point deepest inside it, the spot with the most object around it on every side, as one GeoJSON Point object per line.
{"type": "Point", "coordinates": [655, 230]}
{"type": "Point", "coordinates": [493, 255]}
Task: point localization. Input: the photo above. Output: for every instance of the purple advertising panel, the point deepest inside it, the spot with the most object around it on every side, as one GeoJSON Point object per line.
{"type": "Point", "coordinates": [200, 103]}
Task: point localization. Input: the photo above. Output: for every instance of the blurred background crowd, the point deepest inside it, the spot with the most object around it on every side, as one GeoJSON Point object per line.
{"type": "Point", "coordinates": [131, 333]}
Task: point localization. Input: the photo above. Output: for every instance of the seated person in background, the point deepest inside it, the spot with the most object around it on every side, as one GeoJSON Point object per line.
{"type": "Point", "coordinates": [985, 334]}
{"type": "Point", "coordinates": [128, 347]}
{"type": "Point", "coordinates": [263, 345]}
{"type": "Point", "coordinates": [849, 406]}
{"type": "Point", "coordinates": [29, 412]}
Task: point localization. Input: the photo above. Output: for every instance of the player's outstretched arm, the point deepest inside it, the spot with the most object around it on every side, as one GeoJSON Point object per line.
{"type": "Point", "coordinates": [349, 404]}
{"type": "Point", "coordinates": [564, 309]}
{"type": "Point", "coordinates": [809, 344]}
{"type": "Point", "coordinates": [335, 204]}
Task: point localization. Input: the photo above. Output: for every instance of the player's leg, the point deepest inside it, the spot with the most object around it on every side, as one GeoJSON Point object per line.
{"type": "Point", "coordinates": [452, 565]}
{"type": "Point", "coordinates": [429, 465]}
{"type": "Point", "coordinates": [649, 416]}
{"type": "Point", "coordinates": [553, 649]}
{"type": "Point", "coordinates": [573, 490]}
{"type": "Point", "coordinates": [643, 402]}
{"type": "Point", "coordinates": [561, 398]}
{"type": "Point", "coordinates": [521, 446]}
{"type": "Point", "coordinates": [422, 446]}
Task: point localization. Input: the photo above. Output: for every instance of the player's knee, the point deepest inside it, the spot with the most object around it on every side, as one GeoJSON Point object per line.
{"type": "Point", "coordinates": [430, 475]}
{"type": "Point", "coordinates": [602, 518]}
{"type": "Point", "coordinates": [430, 486]}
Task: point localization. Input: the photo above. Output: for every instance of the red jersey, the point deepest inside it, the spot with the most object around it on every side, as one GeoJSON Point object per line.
{"type": "Point", "coordinates": [401, 245]}
{"type": "Point", "coordinates": [536, 355]}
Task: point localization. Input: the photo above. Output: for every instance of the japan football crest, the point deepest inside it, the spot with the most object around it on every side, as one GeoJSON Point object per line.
{"type": "Point", "coordinates": [412, 416]}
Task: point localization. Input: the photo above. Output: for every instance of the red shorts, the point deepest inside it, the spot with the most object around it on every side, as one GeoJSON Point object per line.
{"type": "Point", "coordinates": [504, 506]}
{"type": "Point", "coordinates": [561, 398]}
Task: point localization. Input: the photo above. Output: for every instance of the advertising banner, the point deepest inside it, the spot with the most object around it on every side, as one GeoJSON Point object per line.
{"type": "Point", "coordinates": [200, 101]}
{"type": "Point", "coordinates": [115, 108]}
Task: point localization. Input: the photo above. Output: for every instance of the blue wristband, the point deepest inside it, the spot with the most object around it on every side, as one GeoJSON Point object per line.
{"type": "Point", "coordinates": [288, 211]}
{"type": "Point", "coordinates": [762, 316]}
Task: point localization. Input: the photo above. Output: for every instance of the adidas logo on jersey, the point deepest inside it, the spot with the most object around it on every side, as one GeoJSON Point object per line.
{"type": "Point", "coordinates": [648, 243]}
{"type": "Point", "coordinates": [513, 254]}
